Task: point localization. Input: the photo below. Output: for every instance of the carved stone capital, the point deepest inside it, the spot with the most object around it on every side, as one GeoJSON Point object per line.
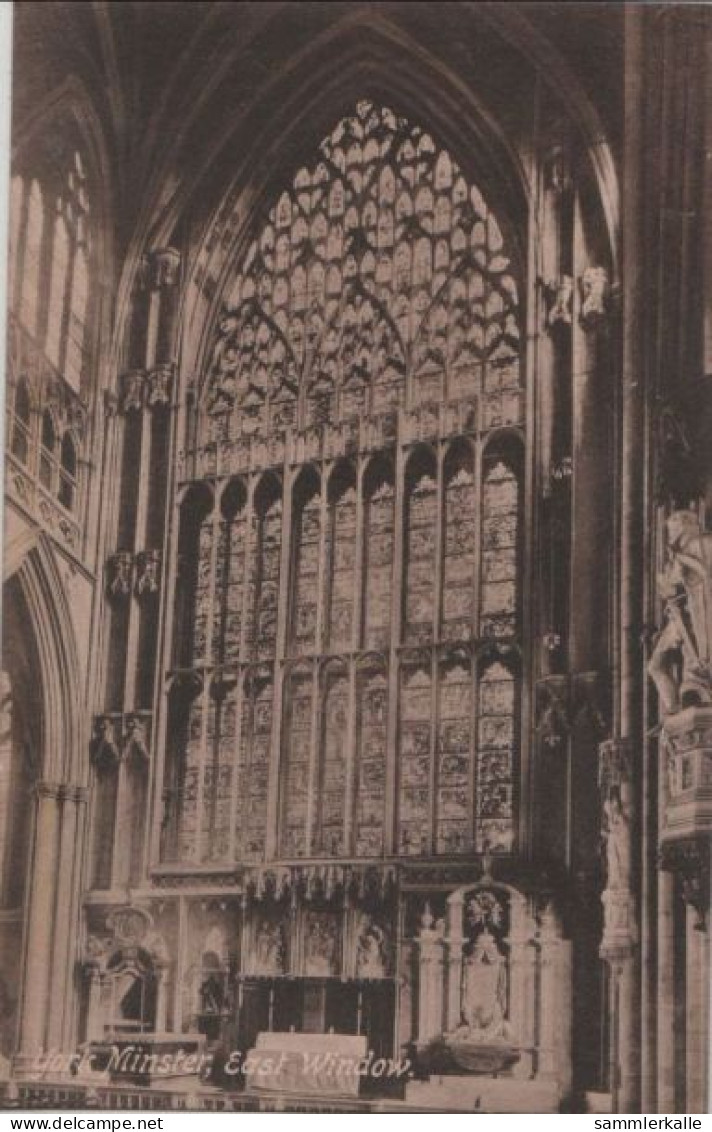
{"type": "Point", "coordinates": [689, 860]}
{"type": "Point", "coordinates": [164, 267]}
{"type": "Point", "coordinates": [45, 789]}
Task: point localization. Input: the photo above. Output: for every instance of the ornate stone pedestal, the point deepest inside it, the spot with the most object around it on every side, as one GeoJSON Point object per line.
{"type": "Point", "coordinates": [686, 770]}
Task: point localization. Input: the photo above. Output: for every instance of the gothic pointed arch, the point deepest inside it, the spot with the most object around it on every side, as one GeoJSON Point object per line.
{"type": "Point", "coordinates": [64, 739]}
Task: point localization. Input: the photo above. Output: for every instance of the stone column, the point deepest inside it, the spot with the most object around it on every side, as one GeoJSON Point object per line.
{"type": "Point", "coordinates": [453, 970]}
{"type": "Point", "coordinates": [698, 994]}
{"type": "Point", "coordinates": [665, 1100]}
{"type": "Point", "coordinates": [38, 948]}
{"type": "Point", "coordinates": [95, 1022]}
{"type": "Point", "coordinates": [522, 985]}
{"type": "Point", "coordinates": [430, 980]}
{"type": "Point", "coordinates": [71, 799]}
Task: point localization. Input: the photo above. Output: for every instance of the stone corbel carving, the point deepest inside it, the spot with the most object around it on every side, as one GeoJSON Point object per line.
{"type": "Point", "coordinates": [105, 748]}
{"type": "Point", "coordinates": [680, 662]}
{"type": "Point", "coordinates": [132, 389]}
{"type": "Point", "coordinates": [148, 572]}
{"type": "Point", "coordinates": [120, 571]}
{"type": "Point", "coordinates": [560, 294]}
{"type": "Point", "coordinates": [159, 383]}
{"type": "Point", "coordinates": [164, 267]}
{"type": "Point", "coordinates": [595, 292]}
{"type": "Point", "coordinates": [690, 861]}
{"type": "Point", "coordinates": [135, 738]}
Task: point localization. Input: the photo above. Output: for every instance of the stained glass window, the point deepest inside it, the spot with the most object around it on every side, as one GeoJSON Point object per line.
{"type": "Point", "coordinates": [421, 549]}
{"type": "Point", "coordinates": [364, 360]}
{"type": "Point", "coordinates": [454, 789]}
{"type": "Point", "coordinates": [341, 556]}
{"type": "Point", "coordinates": [496, 740]}
{"type": "Point", "coordinates": [371, 765]}
{"type": "Point", "coordinates": [255, 750]}
{"type": "Point", "coordinates": [296, 762]}
{"type": "Point", "coordinates": [307, 532]}
{"type": "Point", "coordinates": [414, 762]}
{"type": "Point", "coordinates": [378, 556]}
{"type": "Point", "coordinates": [380, 259]}
{"type": "Point", "coordinates": [331, 788]}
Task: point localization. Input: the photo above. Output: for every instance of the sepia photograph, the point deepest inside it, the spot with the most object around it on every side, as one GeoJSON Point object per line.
{"type": "Point", "coordinates": [356, 674]}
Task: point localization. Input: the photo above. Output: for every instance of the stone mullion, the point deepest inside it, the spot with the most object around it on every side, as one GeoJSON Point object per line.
{"type": "Point", "coordinates": [478, 461]}
{"type": "Point", "coordinates": [214, 519]}
{"type": "Point", "coordinates": [472, 751]}
{"type": "Point", "coordinates": [284, 603]}
{"type": "Point", "coordinates": [393, 666]}
{"type": "Point", "coordinates": [359, 549]}
{"type": "Point", "coordinates": [314, 790]}
{"type": "Point", "coordinates": [237, 786]}
{"type": "Point", "coordinates": [119, 854]}
{"type": "Point", "coordinates": [356, 618]}
{"type": "Point", "coordinates": [245, 618]}
{"type": "Point", "coordinates": [436, 635]}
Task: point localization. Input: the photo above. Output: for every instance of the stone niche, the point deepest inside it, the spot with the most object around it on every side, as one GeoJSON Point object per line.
{"type": "Point", "coordinates": [494, 999]}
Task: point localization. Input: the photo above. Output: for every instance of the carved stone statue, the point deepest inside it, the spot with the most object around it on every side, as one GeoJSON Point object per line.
{"type": "Point", "coordinates": [680, 662]}
{"type": "Point", "coordinates": [371, 953]}
{"type": "Point", "coordinates": [484, 994]}
{"type": "Point", "coordinates": [616, 812]}
{"type": "Point", "coordinates": [269, 949]}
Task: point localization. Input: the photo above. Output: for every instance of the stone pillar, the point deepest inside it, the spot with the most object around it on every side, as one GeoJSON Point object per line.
{"type": "Point", "coordinates": [555, 1025]}
{"type": "Point", "coordinates": [665, 1100]}
{"type": "Point", "coordinates": [697, 1029]}
{"type": "Point", "coordinates": [430, 980]}
{"type": "Point", "coordinates": [522, 985]}
{"type": "Point", "coordinates": [453, 969]}
{"type": "Point", "coordinates": [70, 800]}
{"type": "Point", "coordinates": [95, 1022]}
{"type": "Point", "coordinates": [41, 901]}
{"type": "Point", "coordinates": [161, 997]}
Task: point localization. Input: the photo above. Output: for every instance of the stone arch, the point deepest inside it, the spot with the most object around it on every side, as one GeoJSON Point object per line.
{"type": "Point", "coordinates": [64, 740]}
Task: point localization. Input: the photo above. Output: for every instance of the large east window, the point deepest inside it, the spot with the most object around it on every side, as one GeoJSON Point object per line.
{"type": "Point", "coordinates": [348, 617]}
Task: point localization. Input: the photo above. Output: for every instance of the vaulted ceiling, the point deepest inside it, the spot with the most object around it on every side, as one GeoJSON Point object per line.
{"type": "Point", "coordinates": [182, 88]}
